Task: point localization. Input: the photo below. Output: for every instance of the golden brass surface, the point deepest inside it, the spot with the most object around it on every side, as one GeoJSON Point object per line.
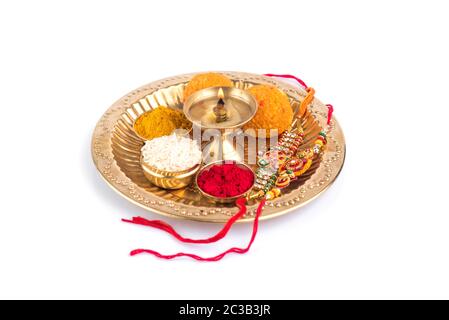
{"type": "Point", "coordinates": [205, 100]}
{"type": "Point", "coordinates": [169, 179]}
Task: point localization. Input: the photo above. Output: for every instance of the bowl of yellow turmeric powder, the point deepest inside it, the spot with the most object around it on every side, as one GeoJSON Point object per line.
{"type": "Point", "coordinates": [161, 121]}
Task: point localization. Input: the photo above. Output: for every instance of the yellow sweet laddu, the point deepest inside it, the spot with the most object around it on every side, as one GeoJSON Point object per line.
{"type": "Point", "coordinates": [206, 80]}
{"type": "Point", "coordinates": [274, 111]}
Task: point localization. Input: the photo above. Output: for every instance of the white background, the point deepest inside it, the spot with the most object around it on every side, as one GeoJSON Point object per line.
{"type": "Point", "coordinates": [381, 231]}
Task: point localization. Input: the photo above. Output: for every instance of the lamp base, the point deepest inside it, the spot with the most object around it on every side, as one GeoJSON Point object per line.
{"type": "Point", "coordinates": [226, 149]}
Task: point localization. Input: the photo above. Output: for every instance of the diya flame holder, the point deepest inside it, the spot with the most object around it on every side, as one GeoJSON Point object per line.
{"type": "Point", "coordinates": [220, 112]}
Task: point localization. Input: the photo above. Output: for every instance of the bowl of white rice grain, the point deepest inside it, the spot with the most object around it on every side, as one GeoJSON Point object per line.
{"type": "Point", "coordinates": [171, 162]}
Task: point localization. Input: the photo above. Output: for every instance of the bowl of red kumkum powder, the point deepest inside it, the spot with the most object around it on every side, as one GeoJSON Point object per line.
{"type": "Point", "coordinates": [225, 181]}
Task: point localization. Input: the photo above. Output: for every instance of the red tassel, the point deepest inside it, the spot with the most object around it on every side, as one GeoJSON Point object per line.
{"type": "Point", "coordinates": [221, 255]}
{"type": "Point", "coordinates": [161, 225]}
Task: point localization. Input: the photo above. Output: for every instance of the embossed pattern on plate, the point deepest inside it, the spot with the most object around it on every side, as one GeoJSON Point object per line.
{"type": "Point", "coordinates": [116, 153]}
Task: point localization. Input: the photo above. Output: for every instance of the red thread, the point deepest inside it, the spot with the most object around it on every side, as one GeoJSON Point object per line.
{"type": "Point", "coordinates": [287, 76]}
{"type": "Point", "coordinates": [161, 225]}
{"type": "Point", "coordinates": [330, 110]}
{"type": "Point", "coordinates": [217, 257]}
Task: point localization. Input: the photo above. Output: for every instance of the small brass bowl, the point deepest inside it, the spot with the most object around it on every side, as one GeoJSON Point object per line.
{"type": "Point", "coordinates": [169, 179]}
{"type": "Point", "coordinates": [227, 199]}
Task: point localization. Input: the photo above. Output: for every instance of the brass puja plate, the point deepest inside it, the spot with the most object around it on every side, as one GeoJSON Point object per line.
{"type": "Point", "coordinates": [116, 153]}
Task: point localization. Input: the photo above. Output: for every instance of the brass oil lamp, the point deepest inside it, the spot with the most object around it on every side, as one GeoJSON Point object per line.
{"type": "Point", "coordinates": [220, 112]}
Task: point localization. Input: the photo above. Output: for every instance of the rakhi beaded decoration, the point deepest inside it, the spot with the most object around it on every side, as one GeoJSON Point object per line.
{"type": "Point", "coordinates": [282, 164]}
{"type": "Point", "coordinates": [277, 168]}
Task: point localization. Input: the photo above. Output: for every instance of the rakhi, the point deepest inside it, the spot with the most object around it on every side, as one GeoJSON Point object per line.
{"type": "Point", "coordinates": [284, 163]}
{"type": "Point", "coordinates": [277, 168]}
